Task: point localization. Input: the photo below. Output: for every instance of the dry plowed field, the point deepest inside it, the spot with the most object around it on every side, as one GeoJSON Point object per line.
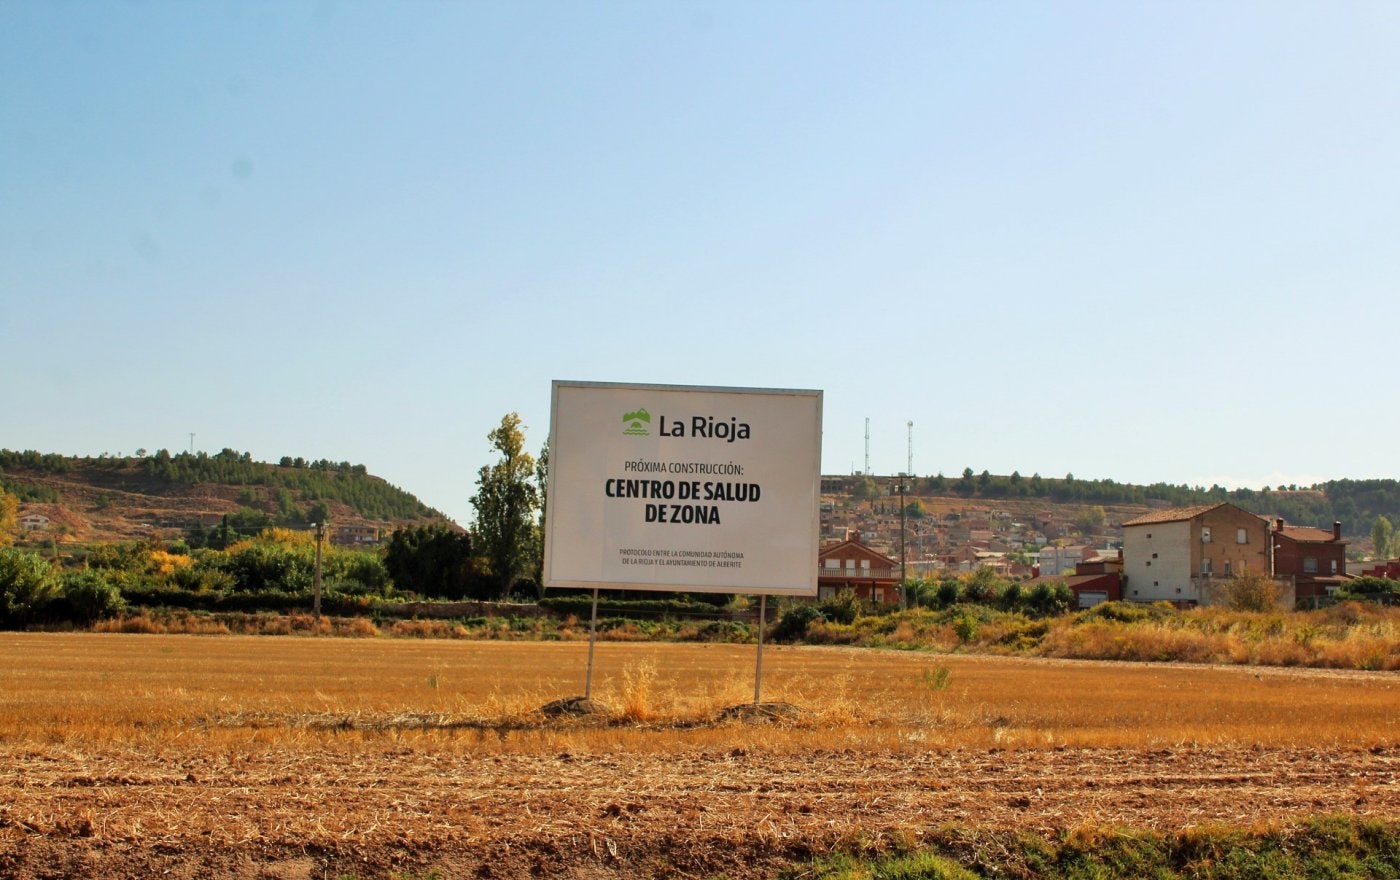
{"type": "Point", "coordinates": [141, 756]}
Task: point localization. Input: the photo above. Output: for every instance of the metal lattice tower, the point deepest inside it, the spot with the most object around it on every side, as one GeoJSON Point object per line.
{"type": "Point", "coordinates": [867, 446]}
{"type": "Point", "coordinates": [910, 471]}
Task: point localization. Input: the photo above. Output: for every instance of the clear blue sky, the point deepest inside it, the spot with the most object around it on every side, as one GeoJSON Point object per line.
{"type": "Point", "coordinates": [1146, 241]}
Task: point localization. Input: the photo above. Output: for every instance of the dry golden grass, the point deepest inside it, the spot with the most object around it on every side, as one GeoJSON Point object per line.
{"type": "Point", "coordinates": [125, 755]}
{"type": "Point", "coordinates": [1348, 636]}
{"type": "Point", "coordinates": [166, 691]}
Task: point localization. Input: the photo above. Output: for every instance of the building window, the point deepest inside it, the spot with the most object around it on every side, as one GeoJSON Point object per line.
{"type": "Point", "coordinates": [1309, 565]}
{"type": "Point", "coordinates": [850, 565]}
{"type": "Point", "coordinates": [1205, 534]}
{"type": "Point", "coordinates": [1334, 566]}
{"type": "Point", "coordinates": [833, 563]}
{"type": "Point", "coordinates": [1149, 563]}
{"type": "Point", "coordinates": [1154, 555]}
{"type": "Point", "coordinates": [1242, 536]}
{"type": "Point", "coordinates": [1227, 568]}
{"type": "Point", "coordinates": [1205, 565]}
{"type": "Point", "coordinates": [865, 564]}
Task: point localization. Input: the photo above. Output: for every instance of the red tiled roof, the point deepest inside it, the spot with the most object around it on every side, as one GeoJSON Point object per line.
{"type": "Point", "coordinates": [1306, 533]}
{"type": "Point", "coordinates": [1171, 514]}
{"type": "Point", "coordinates": [863, 550]}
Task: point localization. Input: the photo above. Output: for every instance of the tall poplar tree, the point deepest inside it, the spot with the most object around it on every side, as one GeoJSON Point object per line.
{"type": "Point", "coordinates": [1383, 537]}
{"type": "Point", "coordinates": [542, 487]}
{"type": "Point", "coordinates": [505, 502]}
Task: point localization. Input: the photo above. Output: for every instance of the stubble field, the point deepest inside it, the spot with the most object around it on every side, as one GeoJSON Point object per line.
{"type": "Point", "coordinates": [189, 756]}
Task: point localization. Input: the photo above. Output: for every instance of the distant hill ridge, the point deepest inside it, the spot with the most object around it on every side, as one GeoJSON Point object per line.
{"type": "Point", "coordinates": [117, 497]}
{"type": "Point", "coordinates": [1354, 503]}
{"type": "Point", "coordinates": [124, 496]}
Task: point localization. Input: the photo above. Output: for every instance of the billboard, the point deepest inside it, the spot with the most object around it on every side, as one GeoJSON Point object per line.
{"type": "Point", "coordinates": [682, 488]}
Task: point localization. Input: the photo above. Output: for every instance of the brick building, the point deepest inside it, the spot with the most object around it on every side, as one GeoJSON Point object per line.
{"type": "Point", "coordinates": [851, 565]}
{"type": "Point", "coordinates": [1173, 555]}
{"type": "Point", "coordinates": [1315, 560]}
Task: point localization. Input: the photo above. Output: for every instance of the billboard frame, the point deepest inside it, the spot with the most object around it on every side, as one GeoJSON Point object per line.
{"type": "Point", "coordinates": [791, 468]}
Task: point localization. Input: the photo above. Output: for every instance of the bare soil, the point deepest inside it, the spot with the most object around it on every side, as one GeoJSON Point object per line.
{"type": "Point", "coordinates": [326, 811]}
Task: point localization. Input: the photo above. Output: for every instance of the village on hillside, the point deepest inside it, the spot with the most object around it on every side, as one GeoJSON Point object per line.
{"type": "Point", "coordinates": [875, 534]}
{"type": "Point", "coordinates": [1180, 555]}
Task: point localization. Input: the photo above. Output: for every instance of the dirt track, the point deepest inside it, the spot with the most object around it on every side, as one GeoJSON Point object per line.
{"type": "Point", "coordinates": [328, 813]}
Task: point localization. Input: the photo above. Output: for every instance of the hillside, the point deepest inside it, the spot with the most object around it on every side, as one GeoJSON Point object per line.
{"type": "Point", "coordinates": [163, 495]}
{"type": "Point", "coordinates": [1014, 511]}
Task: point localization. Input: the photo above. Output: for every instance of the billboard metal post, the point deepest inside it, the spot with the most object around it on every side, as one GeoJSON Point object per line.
{"type": "Point", "coordinates": [758, 672]}
{"type": "Point", "coordinates": [592, 640]}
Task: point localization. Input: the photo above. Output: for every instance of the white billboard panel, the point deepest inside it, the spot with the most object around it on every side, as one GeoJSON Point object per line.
{"type": "Point", "coordinates": [680, 488]}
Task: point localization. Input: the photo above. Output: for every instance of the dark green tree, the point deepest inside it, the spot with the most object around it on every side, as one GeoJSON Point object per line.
{"type": "Point", "coordinates": [318, 512]}
{"type": "Point", "coordinates": [27, 584]}
{"type": "Point", "coordinates": [542, 488]}
{"type": "Point", "coordinates": [505, 503]}
{"type": "Point", "coordinates": [87, 596]}
{"type": "Point", "coordinates": [431, 561]}
{"type": "Point", "coordinates": [966, 486]}
{"type": "Point", "coordinates": [866, 487]}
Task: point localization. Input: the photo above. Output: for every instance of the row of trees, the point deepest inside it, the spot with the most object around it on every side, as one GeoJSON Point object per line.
{"type": "Point", "coordinates": [248, 559]}
{"type": "Point", "coordinates": [293, 483]}
{"type": "Point", "coordinates": [274, 570]}
{"type": "Point", "coordinates": [1354, 503]}
{"type": "Point", "coordinates": [33, 590]}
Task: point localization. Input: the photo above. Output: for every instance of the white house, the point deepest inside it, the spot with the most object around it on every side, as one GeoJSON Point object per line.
{"type": "Point", "coordinates": [1174, 554]}
{"type": "Point", "coordinates": [1059, 560]}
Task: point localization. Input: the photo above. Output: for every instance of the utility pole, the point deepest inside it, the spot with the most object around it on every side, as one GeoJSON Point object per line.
{"type": "Point", "coordinates": [903, 578]}
{"type": "Point", "coordinates": [320, 534]}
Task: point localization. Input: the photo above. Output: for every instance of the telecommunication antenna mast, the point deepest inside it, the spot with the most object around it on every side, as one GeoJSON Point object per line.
{"type": "Point", "coordinates": [867, 446]}
{"type": "Point", "coordinates": [910, 471]}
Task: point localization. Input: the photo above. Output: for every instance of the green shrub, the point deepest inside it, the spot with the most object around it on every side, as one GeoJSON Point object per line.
{"type": "Point", "coordinates": [843, 608]}
{"type": "Point", "coordinates": [966, 628]}
{"type": "Point", "coordinates": [1369, 589]}
{"type": "Point", "coordinates": [1051, 599]}
{"type": "Point", "coordinates": [724, 631]}
{"type": "Point", "coordinates": [1120, 612]}
{"type": "Point", "coordinates": [947, 593]}
{"type": "Point", "coordinates": [86, 597]}
{"type": "Point", "coordinates": [201, 578]}
{"type": "Point", "coordinates": [792, 626]}
{"type": "Point", "coordinates": [27, 584]}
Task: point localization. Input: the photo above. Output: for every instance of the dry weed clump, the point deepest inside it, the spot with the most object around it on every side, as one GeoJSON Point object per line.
{"type": "Point", "coordinates": [184, 623]}
{"type": "Point", "coordinates": [636, 698]}
{"type": "Point", "coordinates": [1340, 638]}
{"type": "Point", "coordinates": [824, 632]}
{"type": "Point", "coordinates": [426, 629]}
{"type": "Point", "coordinates": [1106, 640]}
